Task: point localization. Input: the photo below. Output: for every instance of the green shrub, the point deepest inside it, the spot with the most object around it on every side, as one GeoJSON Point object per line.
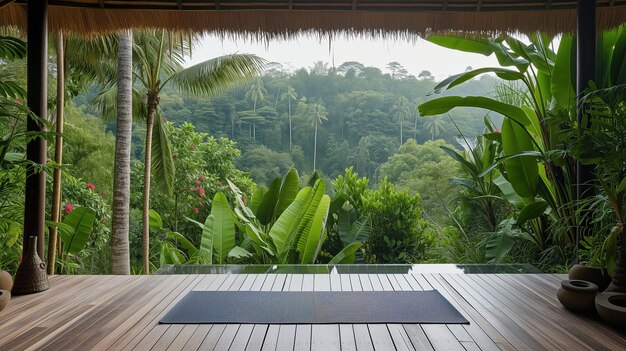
{"type": "Point", "coordinates": [398, 233]}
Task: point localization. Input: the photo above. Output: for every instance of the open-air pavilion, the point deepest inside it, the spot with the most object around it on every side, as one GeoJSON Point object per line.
{"type": "Point", "coordinates": [510, 312]}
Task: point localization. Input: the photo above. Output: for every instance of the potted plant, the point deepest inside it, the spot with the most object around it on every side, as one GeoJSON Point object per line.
{"type": "Point", "coordinates": [592, 267]}
{"type": "Point", "coordinates": [603, 145]}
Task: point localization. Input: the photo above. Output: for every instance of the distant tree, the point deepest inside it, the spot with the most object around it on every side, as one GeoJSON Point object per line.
{"type": "Point", "coordinates": [416, 102]}
{"type": "Point", "coordinates": [255, 92]}
{"type": "Point", "coordinates": [425, 75]}
{"type": "Point", "coordinates": [397, 70]}
{"type": "Point", "coordinates": [290, 94]}
{"type": "Point", "coordinates": [401, 111]}
{"type": "Point", "coordinates": [316, 115]}
{"type": "Point", "coordinates": [434, 125]}
{"type": "Point", "coordinates": [348, 66]}
{"type": "Point", "coordinates": [320, 68]}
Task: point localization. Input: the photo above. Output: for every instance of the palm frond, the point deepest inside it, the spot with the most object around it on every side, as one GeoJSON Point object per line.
{"type": "Point", "coordinates": [215, 76]}
{"type": "Point", "coordinates": [106, 103]}
{"type": "Point", "coordinates": [163, 170]}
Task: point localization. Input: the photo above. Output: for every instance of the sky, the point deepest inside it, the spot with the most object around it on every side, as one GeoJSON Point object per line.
{"type": "Point", "coordinates": [415, 56]}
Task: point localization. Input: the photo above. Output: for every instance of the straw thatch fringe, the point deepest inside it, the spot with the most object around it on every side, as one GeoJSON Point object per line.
{"type": "Point", "coordinates": [281, 24]}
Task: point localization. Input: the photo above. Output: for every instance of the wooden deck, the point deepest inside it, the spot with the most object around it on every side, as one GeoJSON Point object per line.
{"type": "Point", "coordinates": [508, 312]}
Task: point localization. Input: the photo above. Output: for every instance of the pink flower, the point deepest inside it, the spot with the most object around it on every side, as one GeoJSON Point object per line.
{"type": "Point", "coordinates": [201, 191]}
{"type": "Point", "coordinates": [90, 186]}
{"type": "Point", "coordinates": [195, 210]}
{"type": "Point", "coordinates": [497, 130]}
{"type": "Point", "coordinates": [201, 177]}
{"type": "Point", "coordinates": [197, 181]}
{"type": "Point", "coordinates": [68, 208]}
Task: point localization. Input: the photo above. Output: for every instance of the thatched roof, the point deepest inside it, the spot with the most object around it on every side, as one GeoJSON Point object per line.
{"type": "Point", "coordinates": [279, 18]}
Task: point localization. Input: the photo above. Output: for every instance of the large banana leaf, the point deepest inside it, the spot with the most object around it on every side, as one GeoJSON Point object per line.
{"type": "Point", "coordinates": [460, 78]}
{"type": "Point", "coordinates": [563, 75]}
{"type": "Point", "coordinates": [163, 169]}
{"type": "Point", "coordinates": [192, 250]}
{"type": "Point", "coordinates": [464, 43]}
{"type": "Point", "coordinates": [265, 211]}
{"type": "Point", "coordinates": [311, 239]}
{"type": "Point", "coordinates": [81, 221]}
{"type": "Point", "coordinates": [283, 232]}
{"type": "Point", "coordinates": [205, 255]}
{"type": "Point", "coordinates": [445, 104]}
{"type": "Point", "coordinates": [618, 64]}
{"type": "Point", "coordinates": [522, 171]}
{"type": "Point", "coordinates": [223, 229]}
{"type": "Point", "coordinates": [288, 190]}
{"type": "Point", "coordinates": [347, 255]}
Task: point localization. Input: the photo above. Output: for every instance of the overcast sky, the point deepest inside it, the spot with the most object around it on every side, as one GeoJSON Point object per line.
{"type": "Point", "coordinates": [302, 52]}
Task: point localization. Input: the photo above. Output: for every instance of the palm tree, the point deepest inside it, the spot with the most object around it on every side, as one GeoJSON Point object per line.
{"type": "Point", "coordinates": [158, 58]}
{"type": "Point", "coordinates": [316, 115]}
{"type": "Point", "coordinates": [290, 94]}
{"type": "Point", "coordinates": [123, 139]}
{"type": "Point", "coordinates": [255, 92]}
{"type": "Point", "coordinates": [434, 125]}
{"type": "Point", "coordinates": [401, 111]}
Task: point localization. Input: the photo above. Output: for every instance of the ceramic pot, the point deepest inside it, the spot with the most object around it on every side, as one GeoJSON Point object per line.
{"type": "Point", "coordinates": [6, 281]}
{"type": "Point", "coordinates": [598, 276]}
{"type": "Point", "coordinates": [612, 308]}
{"type": "Point", "coordinates": [578, 295]}
{"type": "Point", "coordinates": [5, 296]}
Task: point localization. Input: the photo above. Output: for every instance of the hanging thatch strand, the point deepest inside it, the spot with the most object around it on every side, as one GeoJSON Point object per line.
{"type": "Point", "coordinates": [267, 19]}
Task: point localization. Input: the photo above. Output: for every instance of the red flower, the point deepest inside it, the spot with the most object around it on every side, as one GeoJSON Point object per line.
{"type": "Point", "coordinates": [497, 130]}
{"type": "Point", "coordinates": [68, 208]}
{"type": "Point", "coordinates": [195, 210]}
{"type": "Point", "coordinates": [197, 181]}
{"type": "Point", "coordinates": [90, 186]}
{"type": "Point", "coordinates": [201, 191]}
{"type": "Point", "coordinates": [201, 177]}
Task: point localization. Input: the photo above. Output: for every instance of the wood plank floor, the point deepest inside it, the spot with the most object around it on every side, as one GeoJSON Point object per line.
{"type": "Point", "coordinates": [506, 312]}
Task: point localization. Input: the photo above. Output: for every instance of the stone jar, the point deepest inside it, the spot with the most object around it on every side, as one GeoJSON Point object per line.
{"type": "Point", "coordinates": [598, 276]}
{"type": "Point", "coordinates": [578, 295]}
{"type": "Point", "coordinates": [6, 281]}
{"type": "Point", "coordinates": [612, 308]}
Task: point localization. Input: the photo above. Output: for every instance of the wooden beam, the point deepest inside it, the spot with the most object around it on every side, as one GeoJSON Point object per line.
{"type": "Point", "coordinates": [37, 80]}
{"type": "Point", "coordinates": [585, 72]}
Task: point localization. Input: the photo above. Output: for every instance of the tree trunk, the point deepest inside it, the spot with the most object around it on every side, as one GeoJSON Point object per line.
{"type": "Point", "coordinates": [315, 147]}
{"type": "Point", "coordinates": [289, 113]}
{"type": "Point", "coordinates": [121, 179]}
{"type": "Point", "coordinates": [58, 152]}
{"type": "Point", "coordinates": [415, 130]}
{"type": "Point", "coordinates": [618, 284]}
{"type": "Point", "coordinates": [145, 229]}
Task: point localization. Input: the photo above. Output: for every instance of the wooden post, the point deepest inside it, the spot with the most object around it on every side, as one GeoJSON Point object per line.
{"type": "Point", "coordinates": [37, 80]}
{"type": "Point", "coordinates": [58, 152]}
{"type": "Point", "coordinates": [585, 72]}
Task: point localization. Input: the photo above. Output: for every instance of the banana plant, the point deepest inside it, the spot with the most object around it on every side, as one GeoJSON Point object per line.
{"type": "Point", "coordinates": [531, 162]}
{"type": "Point", "coordinates": [74, 231]}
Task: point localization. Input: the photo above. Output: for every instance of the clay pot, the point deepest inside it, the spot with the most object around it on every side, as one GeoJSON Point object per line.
{"type": "Point", "coordinates": [598, 276]}
{"type": "Point", "coordinates": [5, 296]}
{"type": "Point", "coordinates": [612, 308]}
{"type": "Point", "coordinates": [578, 295]}
{"type": "Point", "coordinates": [6, 281]}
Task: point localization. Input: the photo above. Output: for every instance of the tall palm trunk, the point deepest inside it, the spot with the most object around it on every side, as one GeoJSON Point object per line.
{"type": "Point", "coordinates": [315, 147]}
{"type": "Point", "coordinates": [289, 114]}
{"type": "Point", "coordinates": [153, 101]}
{"type": "Point", "coordinates": [58, 153]}
{"type": "Point", "coordinates": [121, 179]}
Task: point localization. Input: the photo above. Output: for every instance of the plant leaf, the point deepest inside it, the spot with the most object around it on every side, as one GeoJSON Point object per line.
{"type": "Point", "coordinates": [81, 220]}
{"type": "Point", "coordinates": [347, 255]}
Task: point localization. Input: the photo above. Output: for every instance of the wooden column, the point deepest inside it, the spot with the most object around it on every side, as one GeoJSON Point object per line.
{"type": "Point", "coordinates": [585, 72]}
{"type": "Point", "coordinates": [37, 80]}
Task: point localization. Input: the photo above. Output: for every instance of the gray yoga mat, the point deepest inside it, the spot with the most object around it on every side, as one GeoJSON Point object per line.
{"type": "Point", "coordinates": [318, 307]}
